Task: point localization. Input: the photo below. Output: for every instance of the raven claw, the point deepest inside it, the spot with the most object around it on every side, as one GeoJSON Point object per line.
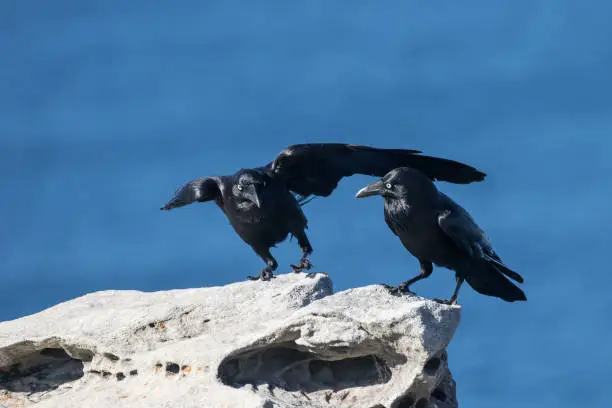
{"type": "Point", "coordinates": [446, 301]}
{"type": "Point", "coordinates": [304, 265]}
{"type": "Point", "coordinates": [265, 275]}
{"type": "Point", "coordinates": [399, 290]}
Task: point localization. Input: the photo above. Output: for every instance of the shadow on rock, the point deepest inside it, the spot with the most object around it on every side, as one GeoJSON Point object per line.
{"type": "Point", "coordinates": [286, 367]}
{"type": "Point", "coordinates": [40, 371]}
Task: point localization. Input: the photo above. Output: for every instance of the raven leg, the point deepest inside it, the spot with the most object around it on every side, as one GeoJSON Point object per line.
{"type": "Point", "coordinates": [404, 287]}
{"type": "Point", "coordinates": [267, 273]}
{"type": "Point", "coordinates": [453, 299]}
{"type": "Point", "coordinates": [304, 263]}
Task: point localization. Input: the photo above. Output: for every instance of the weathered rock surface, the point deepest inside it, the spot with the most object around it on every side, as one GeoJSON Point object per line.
{"type": "Point", "coordinates": [285, 343]}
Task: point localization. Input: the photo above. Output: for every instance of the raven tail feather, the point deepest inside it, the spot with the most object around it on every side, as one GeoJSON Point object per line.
{"type": "Point", "coordinates": [486, 278]}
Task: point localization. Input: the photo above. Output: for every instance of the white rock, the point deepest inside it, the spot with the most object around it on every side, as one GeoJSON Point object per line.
{"type": "Point", "coordinates": [284, 343]}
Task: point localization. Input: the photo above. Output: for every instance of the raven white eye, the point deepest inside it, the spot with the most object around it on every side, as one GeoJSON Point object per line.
{"type": "Point", "coordinates": [388, 185]}
{"type": "Point", "coordinates": [239, 187]}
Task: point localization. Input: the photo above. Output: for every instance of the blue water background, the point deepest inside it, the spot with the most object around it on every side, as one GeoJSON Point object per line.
{"type": "Point", "coordinates": [107, 106]}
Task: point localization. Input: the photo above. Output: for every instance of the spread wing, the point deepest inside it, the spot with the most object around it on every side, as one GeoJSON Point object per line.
{"type": "Point", "coordinates": [317, 168]}
{"type": "Point", "coordinates": [459, 225]}
{"type": "Point", "coordinates": [201, 189]}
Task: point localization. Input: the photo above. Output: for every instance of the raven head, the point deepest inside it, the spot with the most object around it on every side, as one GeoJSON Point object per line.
{"type": "Point", "coordinates": [403, 182]}
{"type": "Point", "coordinates": [249, 186]}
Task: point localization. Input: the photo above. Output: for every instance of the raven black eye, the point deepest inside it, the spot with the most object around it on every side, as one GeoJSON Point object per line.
{"type": "Point", "coordinates": [388, 185]}
{"type": "Point", "coordinates": [239, 187]}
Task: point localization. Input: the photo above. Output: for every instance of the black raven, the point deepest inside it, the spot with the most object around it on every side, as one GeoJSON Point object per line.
{"type": "Point", "coordinates": [437, 230]}
{"type": "Point", "coordinates": [261, 203]}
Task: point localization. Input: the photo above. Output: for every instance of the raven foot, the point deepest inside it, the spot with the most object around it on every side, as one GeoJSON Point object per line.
{"type": "Point", "coordinates": [451, 301]}
{"type": "Point", "coordinates": [304, 265]}
{"type": "Point", "coordinates": [399, 290]}
{"type": "Point", "coordinates": [309, 274]}
{"type": "Point", "coordinates": [265, 275]}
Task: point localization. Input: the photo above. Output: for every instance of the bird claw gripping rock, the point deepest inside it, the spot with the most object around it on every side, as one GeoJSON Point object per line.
{"type": "Point", "coordinates": [304, 265]}
{"type": "Point", "coordinates": [265, 275]}
{"type": "Point", "coordinates": [399, 290]}
{"type": "Point", "coordinates": [446, 301]}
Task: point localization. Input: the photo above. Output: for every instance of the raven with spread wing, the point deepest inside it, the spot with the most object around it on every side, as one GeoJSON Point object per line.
{"type": "Point", "coordinates": [261, 203]}
{"type": "Point", "coordinates": [437, 230]}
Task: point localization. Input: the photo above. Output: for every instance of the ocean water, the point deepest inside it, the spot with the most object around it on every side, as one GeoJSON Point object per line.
{"type": "Point", "coordinates": [106, 107]}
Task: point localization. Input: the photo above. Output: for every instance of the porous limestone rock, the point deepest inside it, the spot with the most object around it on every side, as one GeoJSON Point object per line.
{"type": "Point", "coordinates": [289, 342]}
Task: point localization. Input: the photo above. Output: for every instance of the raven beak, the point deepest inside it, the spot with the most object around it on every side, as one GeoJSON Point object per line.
{"type": "Point", "coordinates": [253, 194]}
{"type": "Point", "coordinates": [370, 190]}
